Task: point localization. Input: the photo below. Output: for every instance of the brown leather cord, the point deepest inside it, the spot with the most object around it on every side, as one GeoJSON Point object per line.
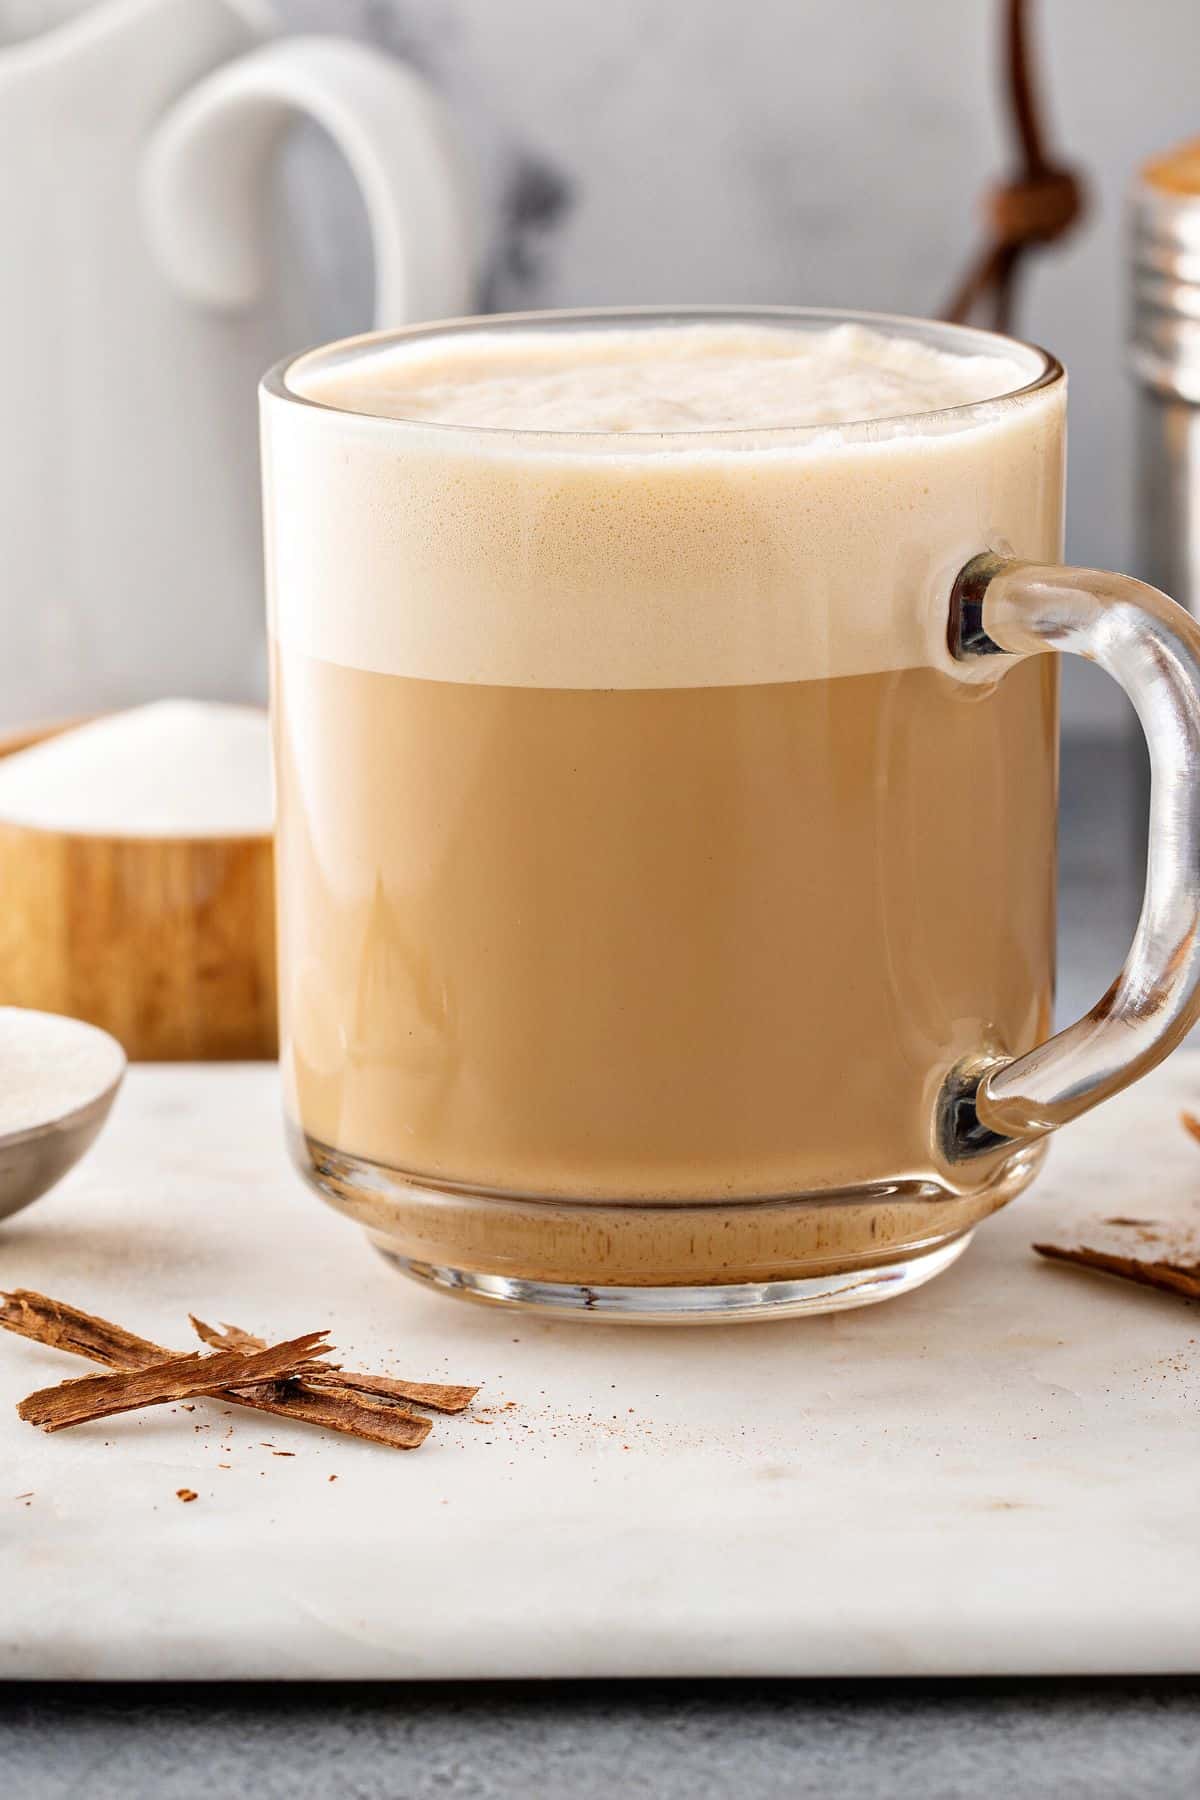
{"type": "Point", "coordinates": [1037, 205]}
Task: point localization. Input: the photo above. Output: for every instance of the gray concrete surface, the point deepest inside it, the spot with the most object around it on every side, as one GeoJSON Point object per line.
{"type": "Point", "coordinates": [943, 1741]}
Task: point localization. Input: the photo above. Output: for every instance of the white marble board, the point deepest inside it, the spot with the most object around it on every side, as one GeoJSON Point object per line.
{"type": "Point", "coordinates": [997, 1474]}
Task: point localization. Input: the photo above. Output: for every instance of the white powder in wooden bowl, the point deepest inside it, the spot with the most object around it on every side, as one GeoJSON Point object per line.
{"type": "Point", "coordinates": [177, 768]}
{"type": "Point", "coordinates": [50, 1067]}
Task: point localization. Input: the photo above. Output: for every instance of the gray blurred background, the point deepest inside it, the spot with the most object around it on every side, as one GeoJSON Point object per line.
{"type": "Point", "coordinates": [807, 151]}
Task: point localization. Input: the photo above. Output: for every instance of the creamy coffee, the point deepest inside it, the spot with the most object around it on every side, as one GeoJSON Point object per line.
{"type": "Point", "coordinates": [642, 852]}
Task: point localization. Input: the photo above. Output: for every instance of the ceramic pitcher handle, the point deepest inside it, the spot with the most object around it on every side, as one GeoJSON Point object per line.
{"type": "Point", "coordinates": [203, 188]}
{"type": "Point", "coordinates": [1151, 647]}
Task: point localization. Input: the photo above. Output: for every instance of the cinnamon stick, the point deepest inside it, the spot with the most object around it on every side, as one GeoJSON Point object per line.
{"type": "Point", "coordinates": [1191, 1124]}
{"type": "Point", "coordinates": [1171, 1277]}
{"type": "Point", "coordinates": [90, 1397]}
{"type": "Point", "coordinates": [441, 1396]}
{"type": "Point", "coordinates": [53, 1322]}
{"type": "Point", "coordinates": [375, 1421]}
{"type": "Point", "coordinates": [64, 1327]}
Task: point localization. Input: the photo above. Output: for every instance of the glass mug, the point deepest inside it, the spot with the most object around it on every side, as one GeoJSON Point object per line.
{"type": "Point", "coordinates": [666, 834]}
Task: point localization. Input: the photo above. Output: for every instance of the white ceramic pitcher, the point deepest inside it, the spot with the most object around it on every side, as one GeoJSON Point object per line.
{"type": "Point", "coordinates": [144, 287]}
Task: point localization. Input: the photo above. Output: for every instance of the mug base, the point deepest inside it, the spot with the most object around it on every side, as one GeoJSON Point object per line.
{"type": "Point", "coordinates": [734, 1303]}
{"type": "Point", "coordinates": [661, 1261]}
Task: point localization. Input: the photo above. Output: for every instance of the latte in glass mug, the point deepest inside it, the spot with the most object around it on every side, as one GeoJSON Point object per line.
{"type": "Point", "coordinates": [661, 884]}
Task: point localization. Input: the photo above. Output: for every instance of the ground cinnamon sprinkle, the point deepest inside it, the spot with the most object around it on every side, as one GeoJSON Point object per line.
{"type": "Point", "coordinates": [186, 1494]}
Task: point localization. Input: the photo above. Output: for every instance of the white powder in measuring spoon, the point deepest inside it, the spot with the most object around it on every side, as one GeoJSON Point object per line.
{"type": "Point", "coordinates": [178, 768]}
{"type": "Point", "coordinates": [51, 1067]}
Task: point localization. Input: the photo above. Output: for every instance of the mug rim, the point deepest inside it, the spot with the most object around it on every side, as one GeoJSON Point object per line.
{"type": "Point", "coordinates": [277, 385]}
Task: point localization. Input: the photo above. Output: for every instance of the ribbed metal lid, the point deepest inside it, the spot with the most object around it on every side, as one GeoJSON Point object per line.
{"type": "Point", "coordinates": [1165, 253]}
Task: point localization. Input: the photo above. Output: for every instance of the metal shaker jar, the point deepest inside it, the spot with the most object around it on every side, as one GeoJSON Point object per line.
{"type": "Point", "coordinates": [1165, 356]}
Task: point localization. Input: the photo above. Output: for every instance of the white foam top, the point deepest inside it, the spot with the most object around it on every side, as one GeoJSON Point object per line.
{"type": "Point", "coordinates": [667, 378]}
{"type": "Point", "coordinates": [177, 768]}
{"type": "Point", "coordinates": [620, 558]}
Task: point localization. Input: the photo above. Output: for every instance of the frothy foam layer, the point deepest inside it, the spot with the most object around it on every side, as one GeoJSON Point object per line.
{"type": "Point", "coordinates": [680, 378]}
{"type": "Point", "coordinates": [640, 561]}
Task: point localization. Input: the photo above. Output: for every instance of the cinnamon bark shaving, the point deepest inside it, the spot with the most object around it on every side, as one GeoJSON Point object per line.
{"type": "Point", "coordinates": [441, 1396]}
{"type": "Point", "coordinates": [375, 1421]}
{"type": "Point", "coordinates": [64, 1327]}
{"type": "Point", "coordinates": [46, 1321]}
{"type": "Point", "coordinates": [1170, 1277]}
{"type": "Point", "coordinates": [227, 1337]}
{"type": "Point", "coordinates": [79, 1401]}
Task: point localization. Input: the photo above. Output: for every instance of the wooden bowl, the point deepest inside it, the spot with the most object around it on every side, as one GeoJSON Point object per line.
{"type": "Point", "coordinates": [167, 943]}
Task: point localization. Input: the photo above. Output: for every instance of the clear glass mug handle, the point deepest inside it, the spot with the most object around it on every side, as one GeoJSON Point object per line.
{"type": "Point", "coordinates": [1151, 647]}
